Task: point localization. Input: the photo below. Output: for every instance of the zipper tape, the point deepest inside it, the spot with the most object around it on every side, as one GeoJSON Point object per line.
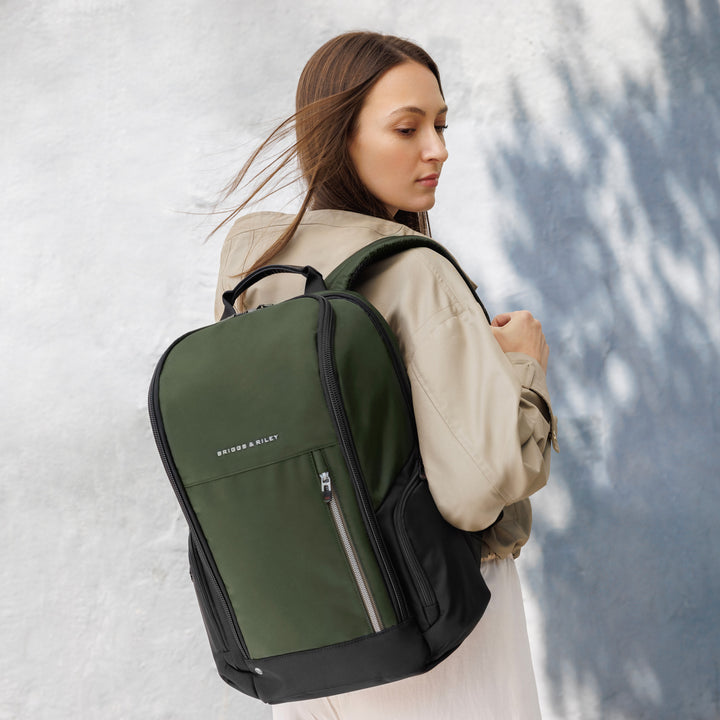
{"type": "Point", "coordinates": [331, 389]}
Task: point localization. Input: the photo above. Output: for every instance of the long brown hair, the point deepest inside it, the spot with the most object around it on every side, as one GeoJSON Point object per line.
{"type": "Point", "coordinates": [330, 93]}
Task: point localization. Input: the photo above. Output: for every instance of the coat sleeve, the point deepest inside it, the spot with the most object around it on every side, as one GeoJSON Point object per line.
{"type": "Point", "coordinates": [508, 536]}
{"type": "Point", "coordinates": [484, 419]}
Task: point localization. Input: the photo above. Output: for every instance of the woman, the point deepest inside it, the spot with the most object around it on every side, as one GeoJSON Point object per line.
{"type": "Point", "coordinates": [370, 125]}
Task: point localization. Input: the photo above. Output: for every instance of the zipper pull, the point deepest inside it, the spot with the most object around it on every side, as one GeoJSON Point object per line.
{"type": "Point", "coordinates": [326, 486]}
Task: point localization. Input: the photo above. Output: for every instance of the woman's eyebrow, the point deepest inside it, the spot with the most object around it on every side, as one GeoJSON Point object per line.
{"type": "Point", "coordinates": [416, 110]}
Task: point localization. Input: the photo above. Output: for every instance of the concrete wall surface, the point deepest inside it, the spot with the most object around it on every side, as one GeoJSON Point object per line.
{"type": "Point", "coordinates": [583, 184]}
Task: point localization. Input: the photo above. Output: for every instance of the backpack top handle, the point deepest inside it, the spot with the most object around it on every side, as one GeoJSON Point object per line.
{"type": "Point", "coordinates": [314, 283]}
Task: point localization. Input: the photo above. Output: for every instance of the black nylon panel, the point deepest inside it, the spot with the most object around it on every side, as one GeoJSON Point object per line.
{"type": "Point", "coordinates": [373, 660]}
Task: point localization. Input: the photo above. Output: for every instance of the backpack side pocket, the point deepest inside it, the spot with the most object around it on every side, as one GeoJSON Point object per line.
{"type": "Point", "coordinates": [446, 569]}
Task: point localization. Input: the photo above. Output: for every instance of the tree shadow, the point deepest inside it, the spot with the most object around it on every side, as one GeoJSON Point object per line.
{"type": "Point", "coordinates": [623, 248]}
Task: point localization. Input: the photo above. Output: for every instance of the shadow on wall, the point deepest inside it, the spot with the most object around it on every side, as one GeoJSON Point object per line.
{"type": "Point", "coordinates": [624, 250]}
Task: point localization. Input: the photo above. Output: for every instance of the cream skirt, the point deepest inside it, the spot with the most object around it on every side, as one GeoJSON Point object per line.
{"type": "Point", "coordinates": [489, 677]}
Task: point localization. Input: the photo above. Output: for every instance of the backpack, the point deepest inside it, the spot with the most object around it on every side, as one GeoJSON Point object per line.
{"type": "Point", "coordinates": [319, 559]}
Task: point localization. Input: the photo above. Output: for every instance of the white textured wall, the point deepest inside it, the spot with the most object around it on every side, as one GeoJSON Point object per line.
{"type": "Point", "coordinates": [583, 183]}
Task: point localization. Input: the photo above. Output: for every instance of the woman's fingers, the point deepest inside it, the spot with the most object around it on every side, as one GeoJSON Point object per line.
{"type": "Point", "coordinates": [500, 320]}
{"type": "Point", "coordinates": [521, 332]}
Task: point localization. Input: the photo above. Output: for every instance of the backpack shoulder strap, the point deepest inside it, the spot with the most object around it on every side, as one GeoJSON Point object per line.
{"type": "Point", "coordinates": [346, 275]}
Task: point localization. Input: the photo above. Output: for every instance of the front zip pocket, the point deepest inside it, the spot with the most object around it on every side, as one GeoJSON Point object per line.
{"type": "Point", "coordinates": [280, 555]}
{"type": "Point", "coordinates": [331, 498]}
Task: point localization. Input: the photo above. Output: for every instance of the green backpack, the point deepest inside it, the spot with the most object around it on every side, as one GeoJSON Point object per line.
{"type": "Point", "coordinates": [320, 561]}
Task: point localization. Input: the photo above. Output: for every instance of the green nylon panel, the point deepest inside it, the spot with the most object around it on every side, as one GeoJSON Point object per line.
{"type": "Point", "coordinates": [269, 392]}
{"type": "Point", "coordinates": [260, 504]}
{"type": "Point", "coordinates": [282, 563]}
{"type": "Point", "coordinates": [353, 519]}
{"type": "Point", "coordinates": [373, 399]}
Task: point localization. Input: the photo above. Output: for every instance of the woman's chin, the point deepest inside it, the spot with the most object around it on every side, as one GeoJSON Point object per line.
{"type": "Point", "coordinates": [417, 207]}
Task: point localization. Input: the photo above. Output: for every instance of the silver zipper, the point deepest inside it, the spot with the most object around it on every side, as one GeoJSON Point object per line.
{"type": "Point", "coordinates": [333, 397]}
{"type": "Point", "coordinates": [330, 498]}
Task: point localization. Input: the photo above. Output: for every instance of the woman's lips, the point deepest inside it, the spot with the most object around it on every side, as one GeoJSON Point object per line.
{"type": "Point", "coordinates": [429, 180]}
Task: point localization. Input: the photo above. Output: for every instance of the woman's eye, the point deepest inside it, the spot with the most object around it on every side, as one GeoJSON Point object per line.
{"type": "Point", "coordinates": [408, 132]}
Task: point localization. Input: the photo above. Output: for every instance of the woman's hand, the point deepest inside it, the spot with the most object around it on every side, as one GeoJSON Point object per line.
{"type": "Point", "coordinates": [521, 332]}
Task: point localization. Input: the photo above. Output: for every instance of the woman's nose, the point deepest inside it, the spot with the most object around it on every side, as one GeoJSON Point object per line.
{"type": "Point", "coordinates": [435, 149]}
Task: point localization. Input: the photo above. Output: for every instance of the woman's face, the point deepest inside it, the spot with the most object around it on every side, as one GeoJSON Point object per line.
{"type": "Point", "coordinates": [397, 146]}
